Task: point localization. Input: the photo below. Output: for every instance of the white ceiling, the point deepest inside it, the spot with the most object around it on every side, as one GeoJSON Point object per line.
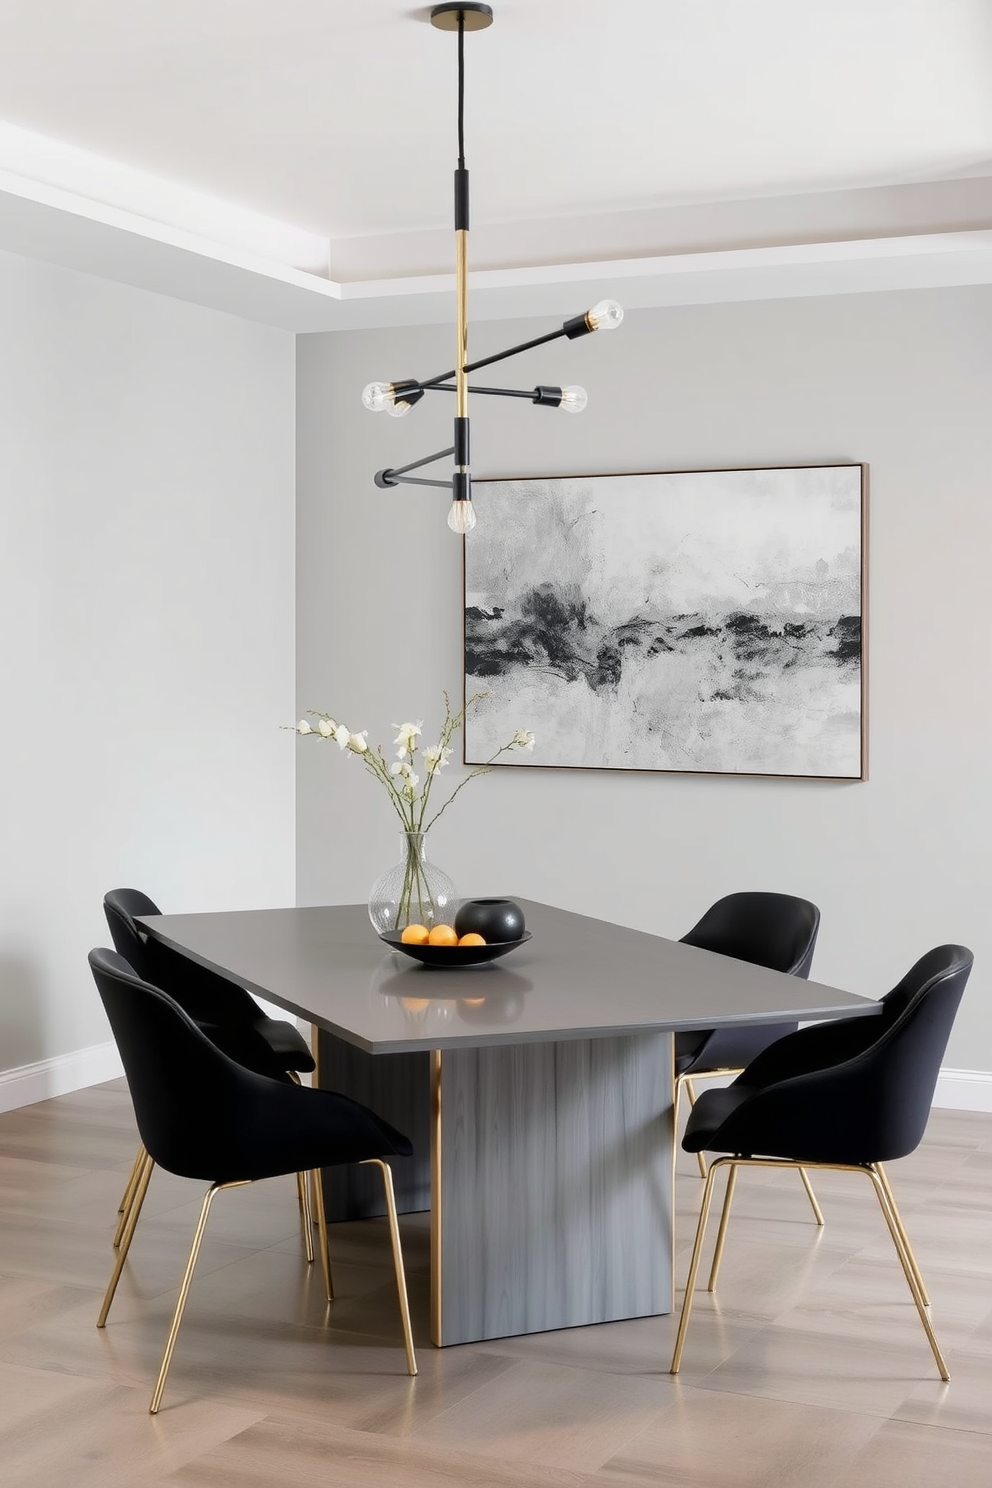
{"type": "Point", "coordinates": [338, 115]}
{"type": "Point", "coordinates": [319, 134]}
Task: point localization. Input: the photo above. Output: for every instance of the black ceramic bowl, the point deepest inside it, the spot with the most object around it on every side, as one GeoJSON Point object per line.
{"type": "Point", "coordinates": [435, 955]}
{"type": "Point", "coordinates": [493, 919]}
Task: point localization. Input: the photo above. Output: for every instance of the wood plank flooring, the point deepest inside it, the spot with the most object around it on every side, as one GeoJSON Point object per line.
{"type": "Point", "coordinates": [808, 1368]}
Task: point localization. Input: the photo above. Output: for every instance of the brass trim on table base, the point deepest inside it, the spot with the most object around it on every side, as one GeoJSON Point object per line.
{"type": "Point", "coordinates": [883, 1192]}
{"type": "Point", "coordinates": [690, 1090]}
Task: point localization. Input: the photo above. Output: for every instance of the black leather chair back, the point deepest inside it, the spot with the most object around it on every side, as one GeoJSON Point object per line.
{"type": "Point", "coordinates": [202, 1115]}
{"type": "Point", "coordinates": [203, 994]}
{"type": "Point", "coordinates": [774, 930]}
{"type": "Point", "coordinates": [856, 1091]}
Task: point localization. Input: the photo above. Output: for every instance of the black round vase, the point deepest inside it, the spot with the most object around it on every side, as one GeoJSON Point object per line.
{"type": "Point", "coordinates": [493, 919]}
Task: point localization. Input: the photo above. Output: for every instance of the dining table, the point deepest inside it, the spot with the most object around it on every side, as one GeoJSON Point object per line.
{"type": "Point", "coordinates": [537, 1090]}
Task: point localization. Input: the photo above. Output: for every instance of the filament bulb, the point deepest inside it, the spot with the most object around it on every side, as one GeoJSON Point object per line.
{"type": "Point", "coordinates": [461, 517]}
{"type": "Point", "coordinates": [573, 399]}
{"type": "Point", "coordinates": [605, 316]}
{"type": "Point", "coordinates": [378, 397]}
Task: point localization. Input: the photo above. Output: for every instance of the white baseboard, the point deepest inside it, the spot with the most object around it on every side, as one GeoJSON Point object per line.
{"type": "Point", "coordinates": [58, 1076]}
{"type": "Point", "coordinates": [964, 1090]}
{"type": "Point", "coordinates": [957, 1090]}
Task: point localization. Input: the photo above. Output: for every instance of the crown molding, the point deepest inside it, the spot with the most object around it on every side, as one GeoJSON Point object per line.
{"type": "Point", "coordinates": [44, 221]}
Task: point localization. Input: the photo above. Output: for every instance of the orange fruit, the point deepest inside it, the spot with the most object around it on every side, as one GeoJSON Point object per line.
{"type": "Point", "coordinates": [415, 935]}
{"type": "Point", "coordinates": [442, 935]}
{"type": "Point", "coordinates": [472, 939]}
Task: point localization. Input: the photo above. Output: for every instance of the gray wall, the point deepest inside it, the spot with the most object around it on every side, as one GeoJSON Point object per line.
{"type": "Point", "coordinates": [147, 603]}
{"type": "Point", "coordinates": [902, 381]}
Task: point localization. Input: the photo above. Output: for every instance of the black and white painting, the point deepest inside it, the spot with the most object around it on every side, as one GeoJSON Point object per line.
{"type": "Point", "coordinates": [704, 621]}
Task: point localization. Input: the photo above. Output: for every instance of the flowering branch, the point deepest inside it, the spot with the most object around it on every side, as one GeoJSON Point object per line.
{"type": "Point", "coordinates": [399, 777]}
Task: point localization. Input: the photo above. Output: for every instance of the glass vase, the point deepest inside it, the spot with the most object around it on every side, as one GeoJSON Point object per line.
{"type": "Point", "coordinates": [414, 892]}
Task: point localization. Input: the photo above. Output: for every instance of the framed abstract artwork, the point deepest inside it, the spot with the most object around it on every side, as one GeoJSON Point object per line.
{"type": "Point", "coordinates": [702, 622]}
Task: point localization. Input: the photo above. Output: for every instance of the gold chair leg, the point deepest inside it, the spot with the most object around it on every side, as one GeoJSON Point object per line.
{"type": "Point", "coordinates": [884, 1177]}
{"type": "Point", "coordinates": [127, 1198]}
{"type": "Point", "coordinates": [177, 1316]}
{"type": "Point", "coordinates": [394, 1235]}
{"type": "Point", "coordinates": [306, 1216]}
{"type": "Point", "coordinates": [690, 1091]}
{"type": "Point", "coordinates": [317, 1178]}
{"type": "Point", "coordinates": [721, 1234]}
{"type": "Point", "coordinates": [694, 1263]}
{"type": "Point", "coordinates": [817, 1211]}
{"type": "Point", "coordinates": [306, 1222]}
{"type": "Point", "coordinates": [132, 1182]}
{"type": "Point", "coordinates": [908, 1267]}
{"type": "Point", "coordinates": [126, 1237]}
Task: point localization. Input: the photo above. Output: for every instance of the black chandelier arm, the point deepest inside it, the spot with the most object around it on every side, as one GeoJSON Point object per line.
{"type": "Point", "coordinates": [532, 394]}
{"type": "Point", "coordinates": [386, 478]}
{"type": "Point", "coordinates": [500, 356]}
{"type": "Point", "coordinates": [427, 460]}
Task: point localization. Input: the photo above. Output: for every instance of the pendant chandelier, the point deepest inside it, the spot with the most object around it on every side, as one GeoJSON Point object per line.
{"type": "Point", "coordinates": [397, 398]}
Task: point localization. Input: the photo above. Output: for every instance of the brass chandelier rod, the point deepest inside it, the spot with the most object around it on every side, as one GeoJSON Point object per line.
{"type": "Point", "coordinates": [399, 397]}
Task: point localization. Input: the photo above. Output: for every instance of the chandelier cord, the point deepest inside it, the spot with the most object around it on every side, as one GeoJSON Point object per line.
{"type": "Point", "coordinates": [461, 90]}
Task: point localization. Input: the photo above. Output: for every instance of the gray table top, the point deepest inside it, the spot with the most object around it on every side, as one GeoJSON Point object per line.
{"type": "Point", "coordinates": [576, 977]}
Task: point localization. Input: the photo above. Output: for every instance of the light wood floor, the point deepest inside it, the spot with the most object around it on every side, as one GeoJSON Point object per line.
{"type": "Point", "coordinates": [809, 1367]}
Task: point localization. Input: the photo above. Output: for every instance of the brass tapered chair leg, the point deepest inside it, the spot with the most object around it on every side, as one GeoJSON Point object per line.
{"type": "Point", "coordinates": [132, 1182]}
{"type": "Point", "coordinates": [817, 1211]}
{"type": "Point", "coordinates": [177, 1316]}
{"type": "Point", "coordinates": [126, 1236]}
{"type": "Point", "coordinates": [721, 1234]}
{"type": "Point", "coordinates": [317, 1179]}
{"type": "Point", "coordinates": [394, 1236]}
{"type": "Point", "coordinates": [884, 1177]}
{"type": "Point", "coordinates": [690, 1091]}
{"type": "Point", "coordinates": [902, 1250]}
{"type": "Point", "coordinates": [306, 1222]}
{"type": "Point", "coordinates": [127, 1198]}
{"type": "Point", "coordinates": [306, 1217]}
{"type": "Point", "coordinates": [694, 1263]}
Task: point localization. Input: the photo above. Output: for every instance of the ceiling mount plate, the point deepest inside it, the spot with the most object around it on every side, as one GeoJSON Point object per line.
{"type": "Point", "coordinates": [477, 17]}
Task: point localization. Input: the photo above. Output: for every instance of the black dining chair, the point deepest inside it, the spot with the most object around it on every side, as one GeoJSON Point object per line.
{"type": "Point", "coordinates": [202, 1115]}
{"type": "Point", "coordinates": [849, 1096]}
{"type": "Point", "coordinates": [774, 930]}
{"type": "Point", "coordinates": [228, 1015]}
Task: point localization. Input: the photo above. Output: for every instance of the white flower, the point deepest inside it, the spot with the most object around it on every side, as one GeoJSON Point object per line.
{"type": "Point", "coordinates": [523, 739]}
{"type": "Point", "coordinates": [341, 736]}
{"type": "Point", "coordinates": [406, 738]}
{"type": "Point", "coordinates": [327, 727]}
{"type": "Point", "coordinates": [435, 759]}
{"type": "Point", "coordinates": [303, 727]}
{"type": "Point", "coordinates": [358, 743]}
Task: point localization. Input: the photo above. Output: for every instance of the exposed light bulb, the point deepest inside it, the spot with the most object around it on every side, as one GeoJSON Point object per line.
{"type": "Point", "coordinates": [573, 399]}
{"type": "Point", "coordinates": [461, 517]}
{"type": "Point", "coordinates": [398, 408]}
{"type": "Point", "coordinates": [378, 397]}
{"type": "Point", "coordinates": [605, 316]}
